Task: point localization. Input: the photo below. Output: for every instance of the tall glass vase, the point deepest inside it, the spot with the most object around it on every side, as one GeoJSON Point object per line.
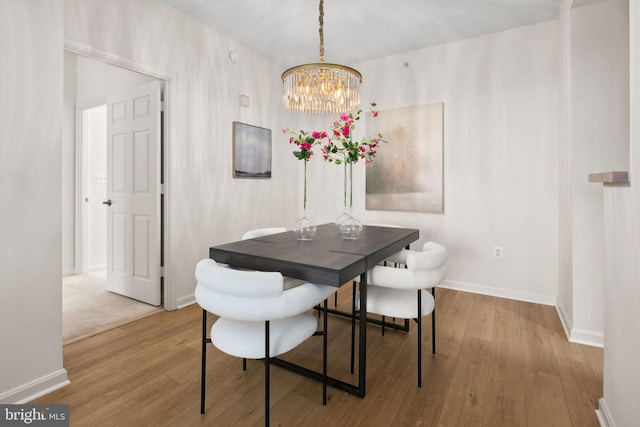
{"type": "Point", "coordinates": [347, 200]}
{"type": "Point", "coordinates": [349, 225]}
{"type": "Point", "coordinates": [304, 228]}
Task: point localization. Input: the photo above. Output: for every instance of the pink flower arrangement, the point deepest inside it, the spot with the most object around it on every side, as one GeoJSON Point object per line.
{"type": "Point", "coordinates": [342, 148]}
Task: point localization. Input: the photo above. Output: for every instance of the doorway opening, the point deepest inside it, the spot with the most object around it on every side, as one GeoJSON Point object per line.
{"type": "Point", "coordinates": [89, 305]}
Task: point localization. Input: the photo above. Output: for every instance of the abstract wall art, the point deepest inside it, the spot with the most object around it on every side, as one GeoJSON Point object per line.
{"type": "Point", "coordinates": [407, 174]}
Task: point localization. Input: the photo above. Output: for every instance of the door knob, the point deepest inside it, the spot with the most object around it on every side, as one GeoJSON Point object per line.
{"type": "Point", "coordinates": [107, 202]}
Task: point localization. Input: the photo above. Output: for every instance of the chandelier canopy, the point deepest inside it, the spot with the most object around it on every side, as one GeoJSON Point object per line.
{"type": "Point", "coordinates": [321, 87]}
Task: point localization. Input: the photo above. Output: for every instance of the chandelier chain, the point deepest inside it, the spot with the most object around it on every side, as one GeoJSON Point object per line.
{"type": "Point", "coordinates": [321, 30]}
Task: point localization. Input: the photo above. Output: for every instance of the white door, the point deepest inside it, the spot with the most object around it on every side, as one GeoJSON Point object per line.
{"type": "Point", "coordinates": [133, 193]}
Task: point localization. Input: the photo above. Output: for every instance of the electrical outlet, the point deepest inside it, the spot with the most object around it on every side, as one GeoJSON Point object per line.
{"type": "Point", "coordinates": [497, 251]}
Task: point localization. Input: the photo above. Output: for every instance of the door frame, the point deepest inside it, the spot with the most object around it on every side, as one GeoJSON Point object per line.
{"type": "Point", "coordinates": [168, 299]}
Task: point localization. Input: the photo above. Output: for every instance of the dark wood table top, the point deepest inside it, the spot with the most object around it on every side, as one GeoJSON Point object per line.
{"type": "Point", "coordinates": [328, 258]}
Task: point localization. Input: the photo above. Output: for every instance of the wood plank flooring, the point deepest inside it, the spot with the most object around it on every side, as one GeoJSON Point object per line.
{"type": "Point", "coordinates": [499, 362]}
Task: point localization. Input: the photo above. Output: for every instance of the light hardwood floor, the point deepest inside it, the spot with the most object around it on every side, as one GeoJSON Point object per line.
{"type": "Point", "coordinates": [499, 362]}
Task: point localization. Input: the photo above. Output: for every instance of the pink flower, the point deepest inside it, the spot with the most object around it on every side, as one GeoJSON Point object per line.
{"type": "Point", "coordinates": [339, 145]}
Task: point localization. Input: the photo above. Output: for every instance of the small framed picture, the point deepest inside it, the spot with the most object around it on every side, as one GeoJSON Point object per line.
{"type": "Point", "coordinates": [251, 151]}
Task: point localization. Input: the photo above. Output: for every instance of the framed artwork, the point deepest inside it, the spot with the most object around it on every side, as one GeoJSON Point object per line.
{"type": "Point", "coordinates": [407, 173]}
{"type": "Point", "coordinates": [251, 151]}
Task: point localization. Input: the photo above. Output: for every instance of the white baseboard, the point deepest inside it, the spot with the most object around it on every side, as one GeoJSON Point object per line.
{"type": "Point", "coordinates": [574, 335]}
{"type": "Point", "coordinates": [567, 324]}
{"type": "Point", "coordinates": [71, 272]}
{"type": "Point", "coordinates": [603, 414]}
{"type": "Point", "coordinates": [95, 268]}
{"type": "Point", "coordinates": [498, 292]}
{"type": "Point", "coordinates": [36, 388]}
{"type": "Point", "coordinates": [185, 301]}
{"type": "Point", "coordinates": [579, 336]}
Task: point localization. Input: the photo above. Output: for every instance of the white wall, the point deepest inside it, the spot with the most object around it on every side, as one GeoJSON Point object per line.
{"type": "Point", "coordinates": [619, 406]}
{"type": "Point", "coordinates": [68, 167]}
{"type": "Point", "coordinates": [31, 41]}
{"type": "Point", "coordinates": [600, 142]}
{"type": "Point", "coordinates": [501, 96]}
{"type": "Point", "coordinates": [206, 206]}
{"type": "Point", "coordinates": [564, 302]}
{"type": "Point", "coordinates": [597, 74]}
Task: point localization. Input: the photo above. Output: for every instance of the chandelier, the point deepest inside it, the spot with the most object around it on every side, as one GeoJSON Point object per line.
{"type": "Point", "coordinates": [321, 87]}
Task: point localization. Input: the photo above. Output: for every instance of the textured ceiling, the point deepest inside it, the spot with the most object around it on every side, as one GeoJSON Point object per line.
{"type": "Point", "coordinates": [286, 31]}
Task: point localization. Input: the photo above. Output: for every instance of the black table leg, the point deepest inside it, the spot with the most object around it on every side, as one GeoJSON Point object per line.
{"type": "Point", "coordinates": [362, 342]}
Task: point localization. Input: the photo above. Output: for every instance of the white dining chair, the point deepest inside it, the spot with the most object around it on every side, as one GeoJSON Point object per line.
{"type": "Point", "coordinates": [403, 292]}
{"type": "Point", "coordinates": [260, 232]}
{"type": "Point", "coordinates": [258, 318]}
{"type": "Point", "coordinates": [256, 233]}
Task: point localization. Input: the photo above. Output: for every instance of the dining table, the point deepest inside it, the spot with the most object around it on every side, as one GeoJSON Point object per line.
{"type": "Point", "coordinates": [327, 259]}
